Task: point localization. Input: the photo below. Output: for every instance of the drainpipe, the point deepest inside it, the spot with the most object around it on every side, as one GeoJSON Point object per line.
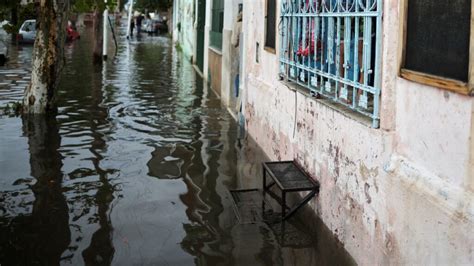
{"type": "Point", "coordinates": [105, 42]}
{"type": "Point", "coordinates": [130, 13]}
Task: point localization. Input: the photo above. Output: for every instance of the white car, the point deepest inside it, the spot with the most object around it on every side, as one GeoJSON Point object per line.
{"type": "Point", "coordinates": [27, 33]}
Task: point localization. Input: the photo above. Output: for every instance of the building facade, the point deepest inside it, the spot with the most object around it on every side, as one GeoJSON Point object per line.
{"type": "Point", "coordinates": [374, 107]}
{"type": "Point", "coordinates": [183, 30]}
{"type": "Point", "coordinates": [392, 148]}
{"type": "Point", "coordinates": [210, 39]}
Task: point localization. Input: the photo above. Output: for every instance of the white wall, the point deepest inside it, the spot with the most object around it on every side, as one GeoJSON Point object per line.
{"type": "Point", "coordinates": [230, 55]}
{"type": "Point", "coordinates": [206, 39]}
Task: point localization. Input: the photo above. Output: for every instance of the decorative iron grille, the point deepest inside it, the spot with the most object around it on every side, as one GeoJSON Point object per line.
{"type": "Point", "coordinates": [333, 48]}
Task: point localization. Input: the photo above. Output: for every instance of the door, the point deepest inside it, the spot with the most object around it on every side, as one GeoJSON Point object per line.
{"type": "Point", "coordinates": [201, 23]}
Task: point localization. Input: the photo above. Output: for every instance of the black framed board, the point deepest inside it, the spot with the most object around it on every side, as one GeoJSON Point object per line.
{"type": "Point", "coordinates": [438, 38]}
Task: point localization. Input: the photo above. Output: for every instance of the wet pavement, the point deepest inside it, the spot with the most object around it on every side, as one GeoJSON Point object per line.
{"type": "Point", "coordinates": [135, 170]}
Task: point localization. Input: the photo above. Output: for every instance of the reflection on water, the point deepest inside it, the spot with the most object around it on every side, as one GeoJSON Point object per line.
{"type": "Point", "coordinates": [135, 169]}
{"type": "Point", "coordinates": [42, 235]}
{"type": "Point", "coordinates": [15, 76]}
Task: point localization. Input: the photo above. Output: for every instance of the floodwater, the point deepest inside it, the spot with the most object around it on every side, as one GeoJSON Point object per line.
{"type": "Point", "coordinates": [135, 170]}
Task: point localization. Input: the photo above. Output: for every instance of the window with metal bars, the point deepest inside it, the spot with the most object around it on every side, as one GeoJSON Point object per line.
{"type": "Point", "coordinates": [217, 24]}
{"type": "Point", "coordinates": [333, 49]}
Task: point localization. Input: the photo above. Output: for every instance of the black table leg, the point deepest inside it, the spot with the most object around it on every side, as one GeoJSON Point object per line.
{"type": "Point", "coordinates": [301, 204]}
{"type": "Point", "coordinates": [283, 206]}
{"type": "Point", "coordinates": [264, 179]}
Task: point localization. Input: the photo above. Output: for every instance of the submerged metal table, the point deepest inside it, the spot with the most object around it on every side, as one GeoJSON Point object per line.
{"type": "Point", "coordinates": [289, 178]}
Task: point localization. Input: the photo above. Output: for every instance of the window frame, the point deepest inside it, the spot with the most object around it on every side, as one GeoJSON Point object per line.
{"type": "Point", "coordinates": [265, 47]}
{"type": "Point", "coordinates": [465, 88]}
{"type": "Point", "coordinates": [353, 87]}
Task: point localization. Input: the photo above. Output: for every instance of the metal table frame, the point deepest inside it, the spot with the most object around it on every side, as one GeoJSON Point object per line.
{"type": "Point", "coordinates": [266, 189]}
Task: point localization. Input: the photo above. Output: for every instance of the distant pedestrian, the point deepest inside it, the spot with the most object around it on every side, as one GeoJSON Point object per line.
{"type": "Point", "coordinates": [139, 23]}
{"type": "Point", "coordinates": [132, 26]}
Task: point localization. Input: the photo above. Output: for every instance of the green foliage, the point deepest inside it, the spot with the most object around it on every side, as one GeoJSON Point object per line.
{"type": "Point", "coordinates": [26, 12]}
{"type": "Point", "coordinates": [153, 4]}
{"type": "Point", "coordinates": [178, 47]}
{"type": "Point", "coordinates": [9, 3]}
{"type": "Point", "coordinates": [91, 5]}
{"type": "Point", "coordinates": [4, 13]}
{"type": "Point", "coordinates": [84, 5]}
{"type": "Point", "coordinates": [9, 28]}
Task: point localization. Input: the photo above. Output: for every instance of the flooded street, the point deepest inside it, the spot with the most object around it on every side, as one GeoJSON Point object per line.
{"type": "Point", "coordinates": [135, 170]}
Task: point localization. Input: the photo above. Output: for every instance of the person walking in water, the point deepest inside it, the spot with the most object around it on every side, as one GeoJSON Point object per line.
{"type": "Point", "coordinates": [132, 26]}
{"type": "Point", "coordinates": [139, 23]}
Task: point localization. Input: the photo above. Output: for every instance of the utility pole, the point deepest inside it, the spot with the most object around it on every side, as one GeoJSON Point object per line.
{"type": "Point", "coordinates": [105, 42]}
{"type": "Point", "coordinates": [130, 13]}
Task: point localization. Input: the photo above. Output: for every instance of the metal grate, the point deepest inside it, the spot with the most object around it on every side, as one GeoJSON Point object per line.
{"type": "Point", "coordinates": [289, 176]}
{"type": "Point", "coordinates": [333, 48]}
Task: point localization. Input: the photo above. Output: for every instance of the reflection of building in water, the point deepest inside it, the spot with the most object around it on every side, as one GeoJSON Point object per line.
{"type": "Point", "coordinates": [101, 249]}
{"type": "Point", "coordinates": [206, 168]}
{"type": "Point", "coordinates": [170, 161]}
{"type": "Point", "coordinates": [43, 235]}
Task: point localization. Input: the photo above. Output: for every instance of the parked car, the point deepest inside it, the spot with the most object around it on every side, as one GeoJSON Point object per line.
{"type": "Point", "coordinates": [27, 32]}
{"type": "Point", "coordinates": [161, 25]}
{"type": "Point", "coordinates": [156, 25]}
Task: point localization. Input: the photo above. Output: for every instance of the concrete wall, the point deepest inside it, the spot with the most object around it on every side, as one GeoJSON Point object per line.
{"type": "Point", "coordinates": [230, 56]}
{"type": "Point", "coordinates": [222, 73]}
{"type": "Point", "coordinates": [213, 66]}
{"type": "Point", "coordinates": [184, 14]}
{"type": "Point", "coordinates": [206, 38]}
{"type": "Point", "coordinates": [215, 70]}
{"type": "Point", "coordinates": [399, 194]}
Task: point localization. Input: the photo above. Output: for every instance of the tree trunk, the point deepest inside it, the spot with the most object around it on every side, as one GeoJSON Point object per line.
{"type": "Point", "coordinates": [98, 36]}
{"type": "Point", "coordinates": [48, 56]}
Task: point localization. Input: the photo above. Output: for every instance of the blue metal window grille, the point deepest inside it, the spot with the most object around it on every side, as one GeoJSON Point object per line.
{"type": "Point", "coordinates": [333, 48]}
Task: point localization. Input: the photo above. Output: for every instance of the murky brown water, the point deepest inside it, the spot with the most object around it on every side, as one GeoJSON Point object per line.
{"type": "Point", "coordinates": [135, 170]}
